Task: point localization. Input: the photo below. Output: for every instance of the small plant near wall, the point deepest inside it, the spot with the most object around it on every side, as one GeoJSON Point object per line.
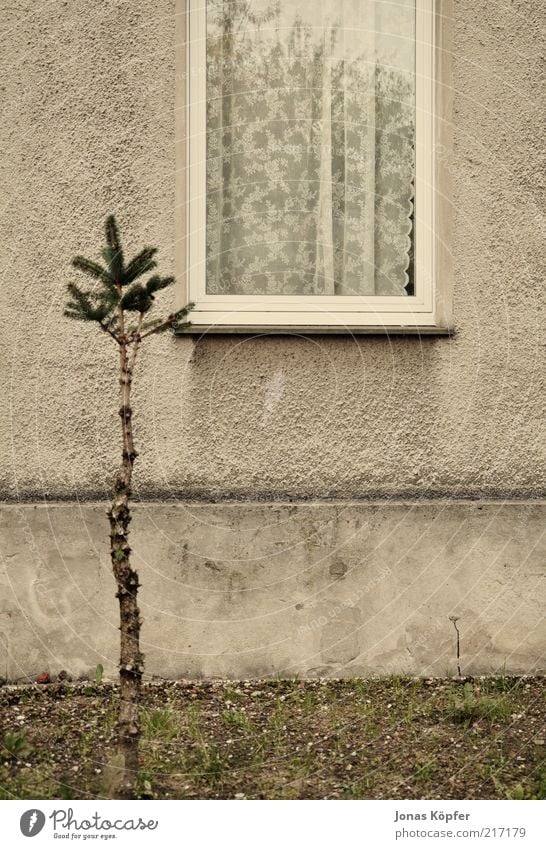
{"type": "Point", "coordinates": [120, 304]}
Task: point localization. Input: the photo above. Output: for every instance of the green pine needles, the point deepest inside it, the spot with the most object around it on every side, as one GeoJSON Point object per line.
{"type": "Point", "coordinates": [117, 291]}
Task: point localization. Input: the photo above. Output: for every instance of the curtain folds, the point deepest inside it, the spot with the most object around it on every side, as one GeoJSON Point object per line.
{"type": "Point", "coordinates": [310, 147]}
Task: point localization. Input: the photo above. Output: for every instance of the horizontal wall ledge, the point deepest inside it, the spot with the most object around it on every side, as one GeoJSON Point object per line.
{"type": "Point", "coordinates": [178, 493]}
{"type": "Point", "coordinates": [257, 590]}
{"type": "Point", "coordinates": [305, 330]}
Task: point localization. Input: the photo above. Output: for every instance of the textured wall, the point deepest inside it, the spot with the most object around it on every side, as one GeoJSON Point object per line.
{"type": "Point", "coordinates": [246, 590]}
{"type": "Point", "coordinates": [88, 128]}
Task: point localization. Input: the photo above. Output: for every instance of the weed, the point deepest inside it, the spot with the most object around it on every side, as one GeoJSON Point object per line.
{"type": "Point", "coordinates": [500, 684]}
{"type": "Point", "coordinates": [193, 719]}
{"type": "Point", "coordinates": [15, 745]}
{"type": "Point", "coordinates": [65, 790]}
{"type": "Point", "coordinates": [160, 723]}
{"type": "Point", "coordinates": [233, 696]}
{"type": "Point", "coordinates": [355, 739]}
{"type": "Point", "coordinates": [206, 761]}
{"type": "Point", "coordinates": [425, 770]}
{"type": "Point", "coordinates": [86, 744]}
{"type": "Point", "coordinates": [540, 784]}
{"type": "Point", "coordinates": [307, 700]}
{"type": "Point", "coordinates": [472, 708]}
{"type": "Point", "coordinates": [530, 790]}
{"type": "Point", "coordinates": [236, 718]}
{"type": "Point", "coordinates": [144, 785]}
{"type": "Point", "coordinates": [357, 790]}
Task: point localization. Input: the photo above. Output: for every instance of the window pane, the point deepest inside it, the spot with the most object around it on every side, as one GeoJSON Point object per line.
{"type": "Point", "coordinates": [310, 147]}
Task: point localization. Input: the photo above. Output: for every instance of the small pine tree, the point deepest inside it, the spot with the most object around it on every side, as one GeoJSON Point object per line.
{"type": "Point", "coordinates": [120, 305]}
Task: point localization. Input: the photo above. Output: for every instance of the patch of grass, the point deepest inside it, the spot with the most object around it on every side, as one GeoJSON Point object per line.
{"type": "Point", "coordinates": [425, 770]}
{"type": "Point", "coordinates": [144, 784]}
{"type": "Point", "coordinates": [540, 784]}
{"type": "Point", "coordinates": [235, 719]}
{"type": "Point", "coordinates": [209, 762]}
{"type": "Point", "coordinates": [473, 707]}
{"type": "Point", "coordinates": [500, 684]}
{"type": "Point", "coordinates": [233, 696]}
{"type": "Point", "coordinates": [384, 738]}
{"type": "Point", "coordinates": [65, 789]}
{"type": "Point", "coordinates": [15, 745]}
{"type": "Point", "coordinates": [159, 724]}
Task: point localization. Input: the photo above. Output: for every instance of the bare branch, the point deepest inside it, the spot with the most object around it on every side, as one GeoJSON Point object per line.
{"type": "Point", "coordinates": [121, 317]}
{"type": "Point", "coordinates": [110, 332]}
{"type": "Point", "coordinates": [169, 322]}
{"type": "Point", "coordinates": [136, 339]}
{"type": "Point", "coordinates": [133, 333]}
{"type": "Point", "coordinates": [173, 319]}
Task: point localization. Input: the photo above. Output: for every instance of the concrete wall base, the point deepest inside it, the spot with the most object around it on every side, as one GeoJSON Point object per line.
{"type": "Point", "coordinates": [245, 590]}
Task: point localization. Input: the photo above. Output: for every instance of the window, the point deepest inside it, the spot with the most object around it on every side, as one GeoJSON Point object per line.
{"type": "Point", "coordinates": [310, 174]}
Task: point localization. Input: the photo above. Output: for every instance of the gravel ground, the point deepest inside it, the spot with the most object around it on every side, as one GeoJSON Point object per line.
{"type": "Point", "coordinates": [354, 739]}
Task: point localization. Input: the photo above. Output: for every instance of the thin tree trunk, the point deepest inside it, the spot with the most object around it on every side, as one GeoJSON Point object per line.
{"type": "Point", "coordinates": [131, 659]}
{"type": "Point", "coordinates": [108, 309]}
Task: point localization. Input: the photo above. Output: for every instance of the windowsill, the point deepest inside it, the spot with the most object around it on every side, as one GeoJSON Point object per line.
{"type": "Point", "coordinates": [308, 330]}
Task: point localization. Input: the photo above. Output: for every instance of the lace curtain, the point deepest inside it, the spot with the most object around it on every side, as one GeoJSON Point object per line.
{"type": "Point", "coordinates": [310, 147]}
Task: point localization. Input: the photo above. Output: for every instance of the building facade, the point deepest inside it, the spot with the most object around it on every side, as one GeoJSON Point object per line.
{"type": "Point", "coordinates": [307, 503]}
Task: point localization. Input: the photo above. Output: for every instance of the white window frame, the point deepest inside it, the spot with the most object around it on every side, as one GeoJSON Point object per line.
{"type": "Point", "coordinates": [427, 310]}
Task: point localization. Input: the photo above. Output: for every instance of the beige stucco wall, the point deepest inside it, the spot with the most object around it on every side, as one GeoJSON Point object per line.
{"type": "Point", "coordinates": [88, 128]}
{"type": "Point", "coordinates": [247, 590]}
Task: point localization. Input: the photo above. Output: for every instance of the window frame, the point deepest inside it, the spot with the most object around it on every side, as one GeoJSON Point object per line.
{"type": "Point", "coordinates": [426, 311]}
